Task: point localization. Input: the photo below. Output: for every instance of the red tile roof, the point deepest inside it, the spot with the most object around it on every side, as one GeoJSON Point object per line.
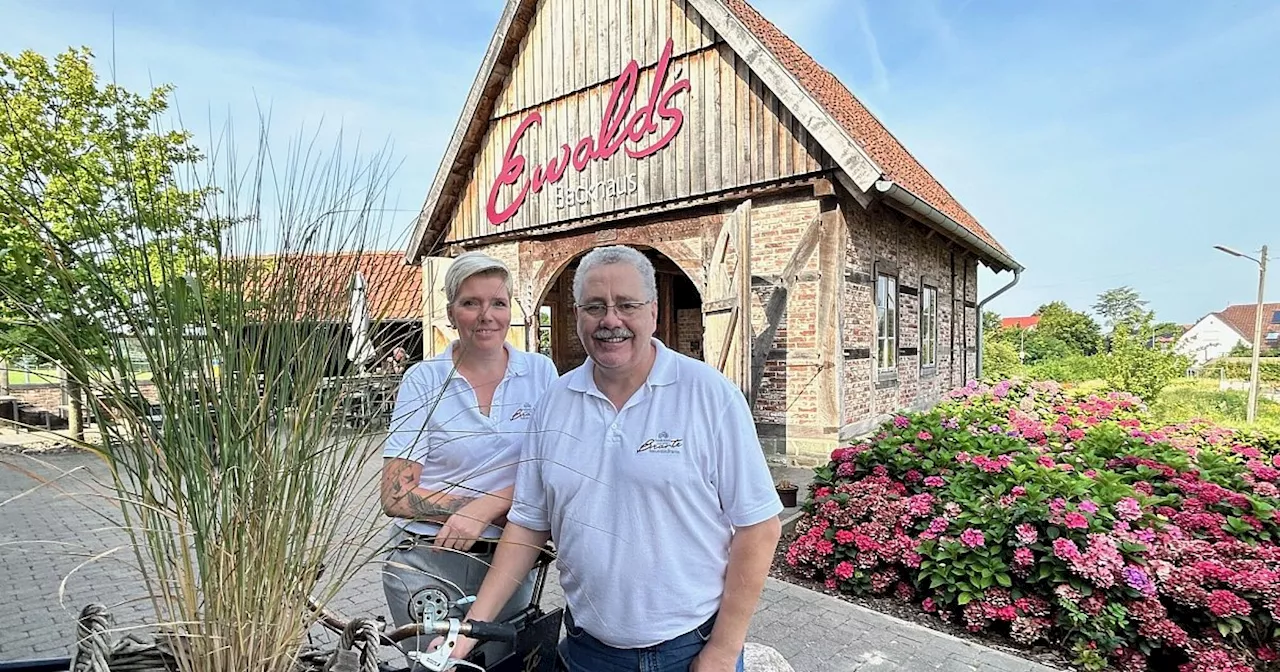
{"type": "Point", "coordinates": [1020, 322]}
{"type": "Point", "coordinates": [319, 285]}
{"type": "Point", "coordinates": [897, 163]}
{"type": "Point", "coordinates": [1241, 318]}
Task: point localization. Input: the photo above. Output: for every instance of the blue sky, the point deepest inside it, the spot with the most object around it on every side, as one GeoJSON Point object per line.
{"type": "Point", "coordinates": [1102, 143]}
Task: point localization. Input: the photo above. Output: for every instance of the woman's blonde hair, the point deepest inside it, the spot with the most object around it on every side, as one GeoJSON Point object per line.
{"type": "Point", "coordinates": [469, 264]}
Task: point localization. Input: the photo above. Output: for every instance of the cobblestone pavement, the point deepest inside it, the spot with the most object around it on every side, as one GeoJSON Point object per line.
{"type": "Point", "coordinates": [53, 539]}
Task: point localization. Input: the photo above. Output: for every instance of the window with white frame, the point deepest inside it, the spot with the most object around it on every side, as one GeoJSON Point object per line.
{"type": "Point", "coordinates": [886, 322]}
{"type": "Point", "coordinates": [928, 326]}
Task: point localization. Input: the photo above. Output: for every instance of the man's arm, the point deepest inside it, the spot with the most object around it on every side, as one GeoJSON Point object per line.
{"type": "Point", "coordinates": [750, 555]}
{"type": "Point", "coordinates": [517, 552]}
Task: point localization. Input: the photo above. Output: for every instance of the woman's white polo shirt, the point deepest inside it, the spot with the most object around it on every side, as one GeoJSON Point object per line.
{"type": "Point", "coordinates": [437, 422]}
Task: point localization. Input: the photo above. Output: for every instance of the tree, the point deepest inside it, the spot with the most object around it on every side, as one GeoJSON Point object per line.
{"type": "Point", "coordinates": [1167, 330]}
{"type": "Point", "coordinates": [1121, 305]}
{"type": "Point", "coordinates": [990, 321]}
{"type": "Point", "coordinates": [83, 172]}
{"type": "Point", "coordinates": [1139, 365]}
{"type": "Point", "coordinates": [1077, 331]}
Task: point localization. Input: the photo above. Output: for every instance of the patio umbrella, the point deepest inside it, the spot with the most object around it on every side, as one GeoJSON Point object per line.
{"type": "Point", "coordinates": [361, 349]}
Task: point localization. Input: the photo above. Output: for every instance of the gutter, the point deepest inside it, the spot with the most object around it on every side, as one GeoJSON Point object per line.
{"type": "Point", "coordinates": [1017, 275]}
{"type": "Point", "coordinates": [917, 205]}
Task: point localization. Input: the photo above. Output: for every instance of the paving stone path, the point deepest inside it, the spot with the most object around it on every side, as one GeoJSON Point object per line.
{"type": "Point", "coordinates": [48, 536]}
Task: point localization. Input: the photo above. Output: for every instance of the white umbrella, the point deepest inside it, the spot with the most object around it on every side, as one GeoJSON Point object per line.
{"type": "Point", "coordinates": [361, 349]}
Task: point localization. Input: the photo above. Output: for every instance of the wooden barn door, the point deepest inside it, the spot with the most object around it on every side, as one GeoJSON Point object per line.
{"type": "Point", "coordinates": [726, 305]}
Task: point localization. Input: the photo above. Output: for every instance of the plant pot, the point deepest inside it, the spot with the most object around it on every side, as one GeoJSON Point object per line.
{"type": "Point", "coordinates": [788, 497]}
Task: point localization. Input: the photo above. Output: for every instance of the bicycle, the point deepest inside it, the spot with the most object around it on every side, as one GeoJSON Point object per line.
{"type": "Point", "coordinates": [534, 632]}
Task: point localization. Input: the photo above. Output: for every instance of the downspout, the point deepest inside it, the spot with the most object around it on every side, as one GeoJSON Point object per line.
{"type": "Point", "coordinates": [1017, 274]}
{"type": "Point", "coordinates": [917, 205]}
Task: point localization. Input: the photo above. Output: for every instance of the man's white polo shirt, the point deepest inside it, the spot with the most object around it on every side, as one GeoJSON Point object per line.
{"type": "Point", "coordinates": [437, 422]}
{"type": "Point", "coordinates": [642, 502]}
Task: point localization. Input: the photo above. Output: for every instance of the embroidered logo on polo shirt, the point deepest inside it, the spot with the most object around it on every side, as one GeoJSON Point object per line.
{"type": "Point", "coordinates": [524, 412]}
{"type": "Point", "coordinates": [662, 444]}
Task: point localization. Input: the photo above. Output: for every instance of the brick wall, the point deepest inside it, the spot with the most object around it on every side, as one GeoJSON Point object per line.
{"type": "Point", "coordinates": [689, 332]}
{"type": "Point", "coordinates": [789, 405]}
{"type": "Point", "coordinates": [885, 237]}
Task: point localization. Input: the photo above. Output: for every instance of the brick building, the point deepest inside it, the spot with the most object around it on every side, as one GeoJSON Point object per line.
{"type": "Point", "coordinates": [800, 248]}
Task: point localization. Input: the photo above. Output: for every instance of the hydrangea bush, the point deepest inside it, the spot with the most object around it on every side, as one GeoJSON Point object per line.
{"type": "Point", "coordinates": [1063, 519]}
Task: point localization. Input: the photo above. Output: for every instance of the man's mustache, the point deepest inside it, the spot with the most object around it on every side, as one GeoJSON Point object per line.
{"type": "Point", "coordinates": [620, 332]}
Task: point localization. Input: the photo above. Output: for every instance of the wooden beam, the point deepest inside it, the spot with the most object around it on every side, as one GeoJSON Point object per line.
{"type": "Point", "coordinates": [778, 302]}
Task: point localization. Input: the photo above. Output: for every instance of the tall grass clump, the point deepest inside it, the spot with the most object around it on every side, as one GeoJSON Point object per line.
{"type": "Point", "coordinates": [237, 482]}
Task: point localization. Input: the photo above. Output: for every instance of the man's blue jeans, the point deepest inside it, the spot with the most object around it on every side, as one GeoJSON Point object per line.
{"type": "Point", "coordinates": [580, 652]}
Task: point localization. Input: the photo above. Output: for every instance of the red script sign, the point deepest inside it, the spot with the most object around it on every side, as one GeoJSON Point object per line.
{"type": "Point", "coordinates": [613, 134]}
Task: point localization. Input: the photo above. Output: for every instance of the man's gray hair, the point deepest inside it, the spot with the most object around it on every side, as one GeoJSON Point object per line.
{"type": "Point", "coordinates": [615, 254]}
{"type": "Point", "coordinates": [469, 264]}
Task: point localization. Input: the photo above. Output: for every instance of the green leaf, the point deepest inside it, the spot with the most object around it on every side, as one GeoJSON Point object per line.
{"type": "Point", "coordinates": [966, 598]}
{"type": "Point", "coordinates": [1004, 580]}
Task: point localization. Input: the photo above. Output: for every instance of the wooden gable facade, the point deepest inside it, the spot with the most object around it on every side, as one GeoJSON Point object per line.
{"type": "Point", "coordinates": [678, 127]}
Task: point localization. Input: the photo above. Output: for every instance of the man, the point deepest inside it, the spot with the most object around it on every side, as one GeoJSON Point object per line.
{"type": "Point", "coordinates": [644, 466]}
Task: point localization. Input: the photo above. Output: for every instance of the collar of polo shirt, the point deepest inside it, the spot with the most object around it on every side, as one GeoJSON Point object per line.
{"type": "Point", "coordinates": [664, 371]}
{"type": "Point", "coordinates": [516, 365]}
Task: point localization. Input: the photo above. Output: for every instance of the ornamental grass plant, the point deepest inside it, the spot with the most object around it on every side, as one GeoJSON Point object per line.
{"type": "Point", "coordinates": [232, 465]}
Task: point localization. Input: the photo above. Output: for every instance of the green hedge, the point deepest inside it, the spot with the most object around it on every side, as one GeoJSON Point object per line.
{"type": "Point", "coordinates": [1237, 368]}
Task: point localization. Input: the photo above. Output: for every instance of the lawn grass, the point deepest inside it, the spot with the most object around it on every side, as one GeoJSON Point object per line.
{"type": "Point", "coordinates": [1188, 399]}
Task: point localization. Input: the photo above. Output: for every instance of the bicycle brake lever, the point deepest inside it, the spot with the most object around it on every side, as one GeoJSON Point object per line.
{"type": "Point", "coordinates": [439, 660]}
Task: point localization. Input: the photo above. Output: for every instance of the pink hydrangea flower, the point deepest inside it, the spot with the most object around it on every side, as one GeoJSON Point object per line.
{"type": "Point", "coordinates": [1227, 603]}
{"type": "Point", "coordinates": [962, 457]}
{"type": "Point", "coordinates": [1128, 509]}
{"type": "Point", "coordinates": [924, 436]}
{"type": "Point", "coordinates": [844, 536]}
{"type": "Point", "coordinates": [1088, 507]}
{"type": "Point", "coordinates": [1023, 557]}
{"type": "Point", "coordinates": [844, 570]}
{"type": "Point", "coordinates": [900, 421]}
{"type": "Point", "coordinates": [1065, 549]}
{"type": "Point", "coordinates": [1075, 521]}
{"type": "Point", "coordinates": [973, 538]}
{"type": "Point", "coordinates": [933, 481]}
{"type": "Point", "coordinates": [928, 605]}
{"type": "Point", "coordinates": [1027, 533]}
{"type": "Point", "coordinates": [1018, 491]}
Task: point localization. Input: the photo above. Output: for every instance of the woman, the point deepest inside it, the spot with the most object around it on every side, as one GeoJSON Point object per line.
{"type": "Point", "coordinates": [451, 452]}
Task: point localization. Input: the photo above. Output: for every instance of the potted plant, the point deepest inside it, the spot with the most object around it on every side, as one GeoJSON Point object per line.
{"type": "Point", "coordinates": [787, 493]}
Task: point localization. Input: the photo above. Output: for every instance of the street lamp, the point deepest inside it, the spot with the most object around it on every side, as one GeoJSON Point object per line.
{"type": "Point", "coordinates": [1252, 411]}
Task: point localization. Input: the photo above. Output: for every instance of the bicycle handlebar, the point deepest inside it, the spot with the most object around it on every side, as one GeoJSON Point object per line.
{"type": "Point", "coordinates": [480, 630]}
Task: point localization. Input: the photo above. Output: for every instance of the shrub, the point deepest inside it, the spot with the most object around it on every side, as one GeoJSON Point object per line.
{"type": "Point", "coordinates": [1139, 365]}
{"type": "Point", "coordinates": [1048, 515]}
{"type": "Point", "coordinates": [1071, 369]}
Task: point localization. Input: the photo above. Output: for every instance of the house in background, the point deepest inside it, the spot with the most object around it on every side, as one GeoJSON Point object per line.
{"type": "Point", "coordinates": [322, 286]}
{"type": "Point", "coordinates": [1216, 334]}
{"type": "Point", "coordinates": [1029, 322]}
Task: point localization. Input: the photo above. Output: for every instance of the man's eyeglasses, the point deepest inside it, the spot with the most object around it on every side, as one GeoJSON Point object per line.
{"type": "Point", "coordinates": [624, 309]}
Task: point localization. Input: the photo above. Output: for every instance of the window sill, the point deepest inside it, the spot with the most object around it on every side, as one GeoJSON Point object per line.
{"type": "Point", "coordinates": [929, 371]}
{"type": "Point", "coordinates": [884, 380]}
